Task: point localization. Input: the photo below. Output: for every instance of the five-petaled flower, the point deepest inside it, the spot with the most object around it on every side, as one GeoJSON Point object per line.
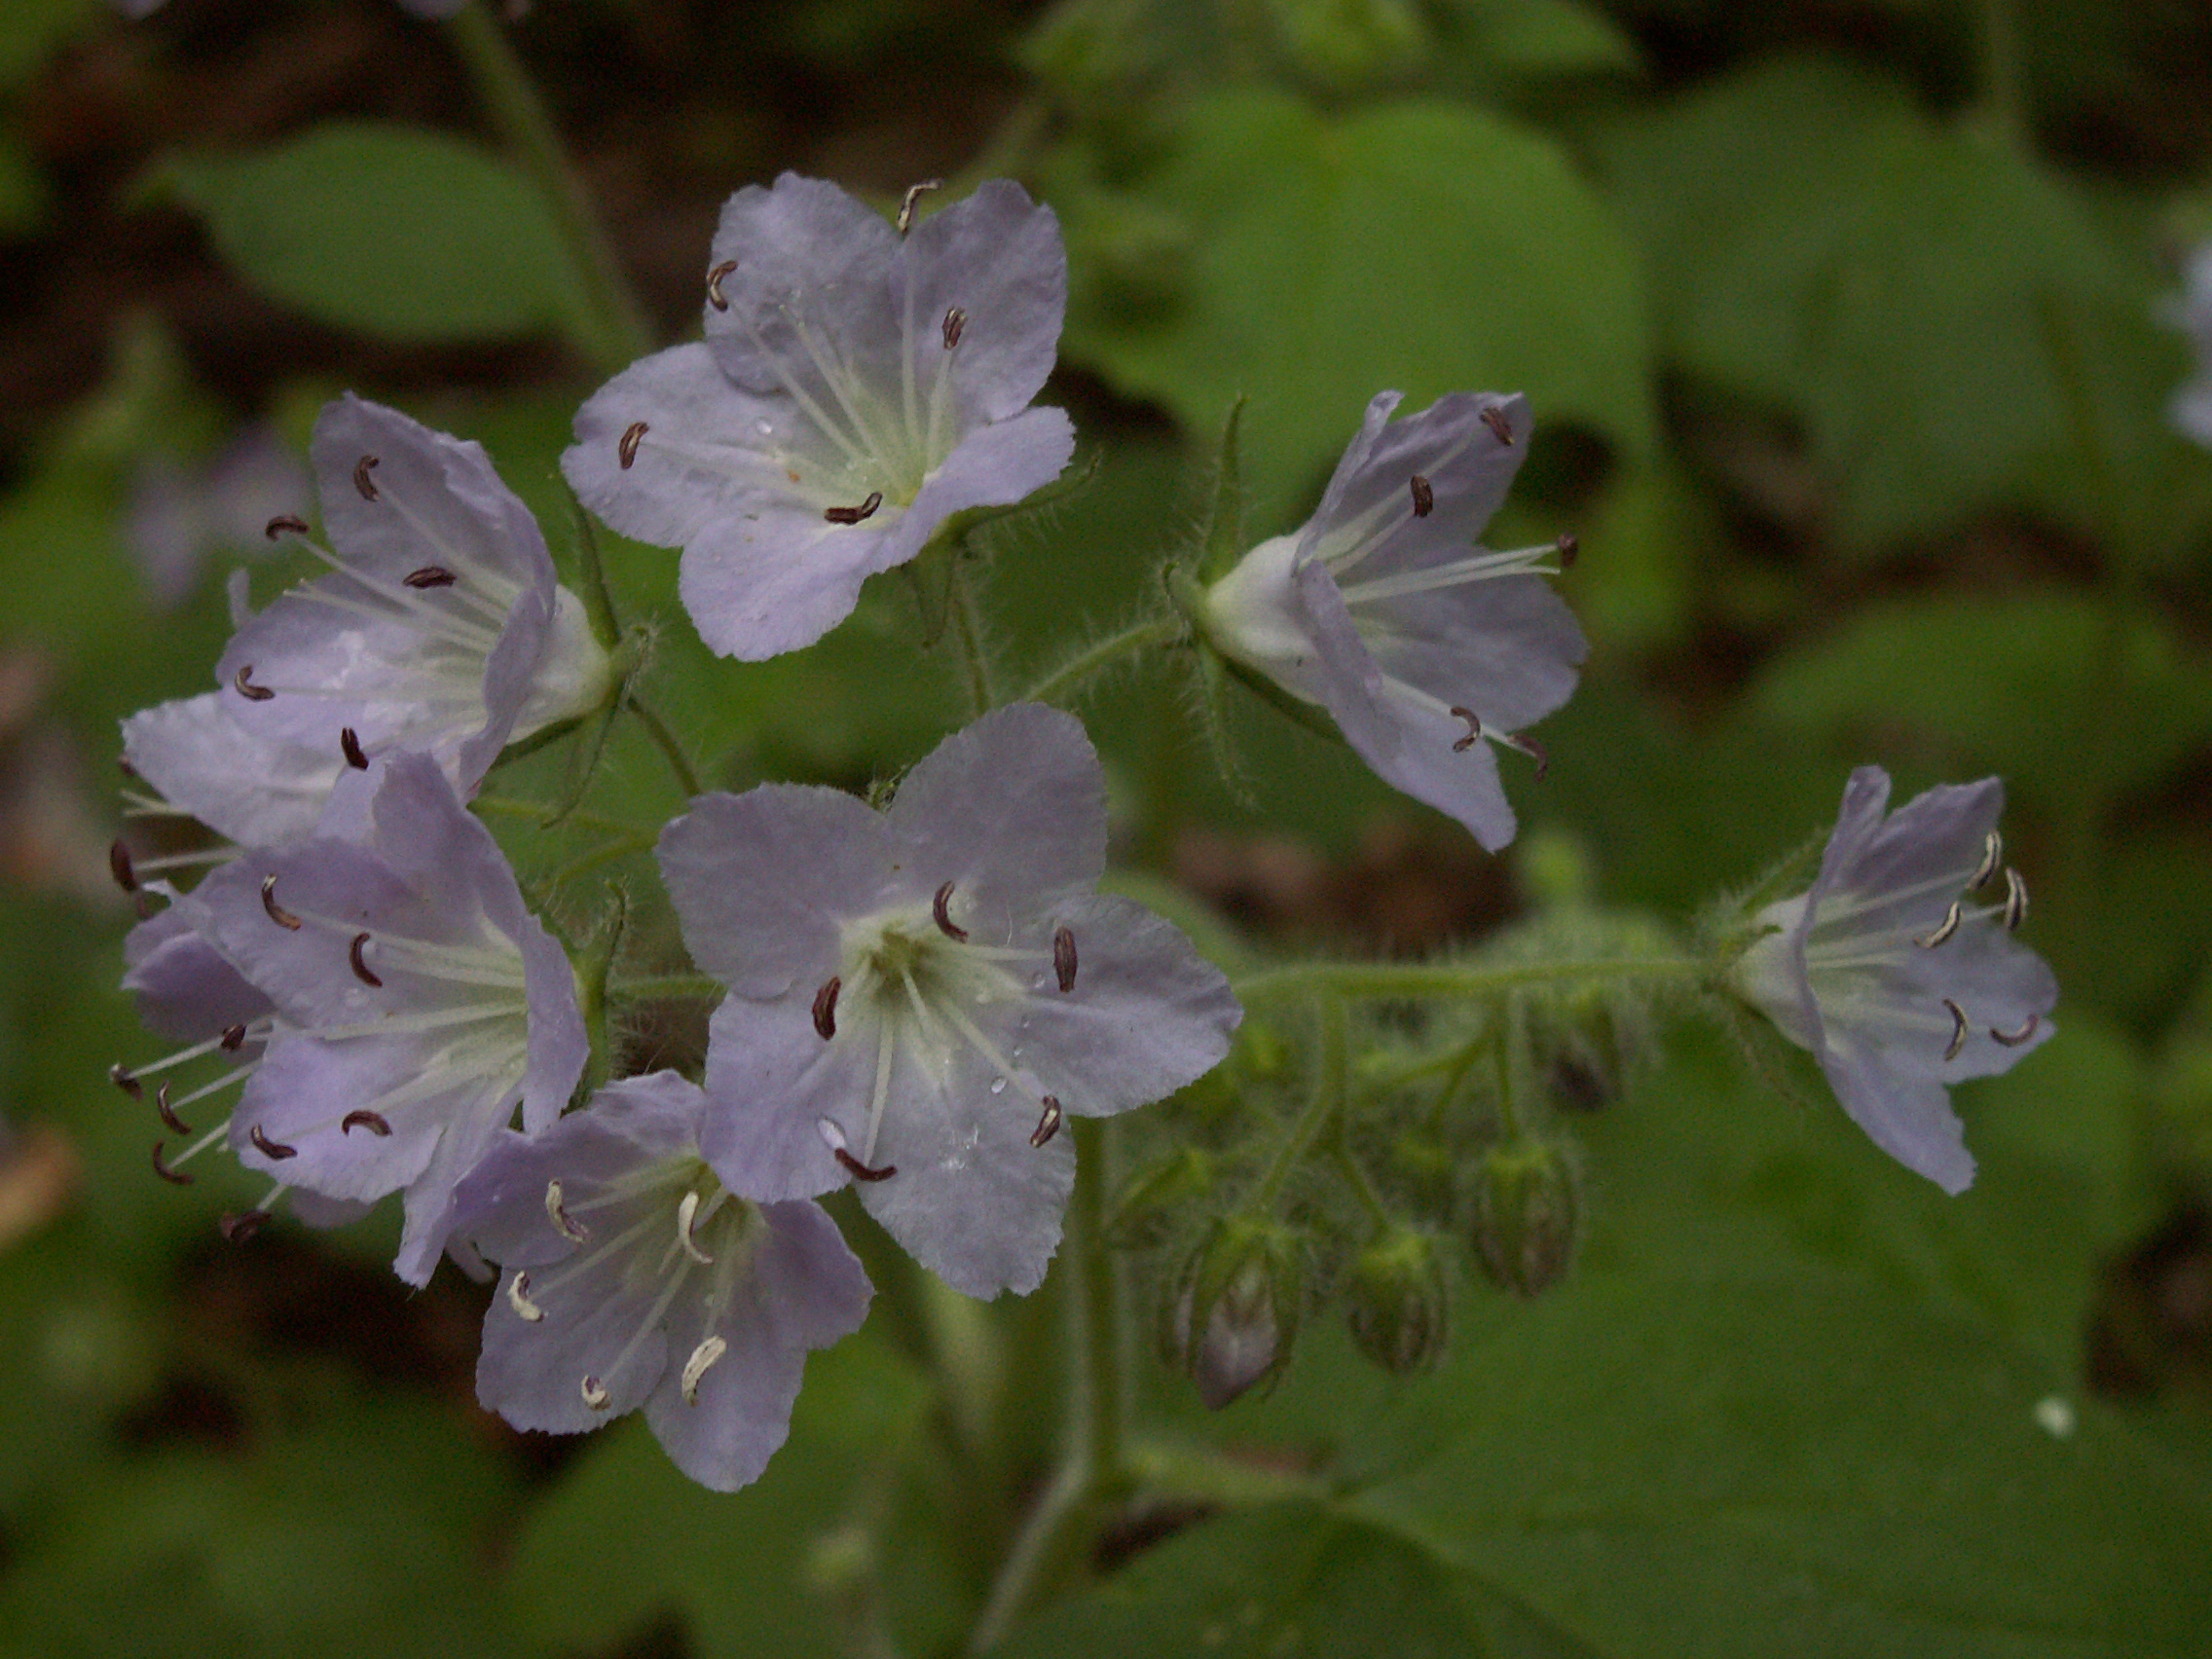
{"type": "Point", "coordinates": [919, 996]}
{"type": "Point", "coordinates": [1424, 649]}
{"type": "Point", "coordinates": [638, 1279]}
{"type": "Point", "coordinates": [1895, 978]}
{"type": "Point", "coordinates": [856, 387]}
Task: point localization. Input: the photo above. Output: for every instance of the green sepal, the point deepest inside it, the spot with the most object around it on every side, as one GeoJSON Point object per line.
{"type": "Point", "coordinates": [1223, 542]}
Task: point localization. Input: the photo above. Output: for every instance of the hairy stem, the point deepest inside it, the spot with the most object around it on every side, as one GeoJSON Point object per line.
{"type": "Point", "coordinates": [968, 623]}
{"type": "Point", "coordinates": [1323, 1110]}
{"type": "Point", "coordinates": [665, 740]}
{"type": "Point", "coordinates": [667, 987]}
{"type": "Point", "coordinates": [1104, 653]}
{"type": "Point", "coordinates": [1386, 980]}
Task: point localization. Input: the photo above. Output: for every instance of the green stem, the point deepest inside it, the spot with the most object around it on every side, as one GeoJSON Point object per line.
{"type": "Point", "coordinates": [1323, 1110]}
{"type": "Point", "coordinates": [2003, 88]}
{"type": "Point", "coordinates": [1383, 979]}
{"type": "Point", "coordinates": [508, 806]}
{"type": "Point", "coordinates": [968, 623]}
{"type": "Point", "coordinates": [591, 580]}
{"type": "Point", "coordinates": [1103, 653]}
{"type": "Point", "coordinates": [665, 741]}
{"type": "Point", "coordinates": [616, 332]}
{"type": "Point", "coordinates": [586, 863]}
{"type": "Point", "coordinates": [667, 987]}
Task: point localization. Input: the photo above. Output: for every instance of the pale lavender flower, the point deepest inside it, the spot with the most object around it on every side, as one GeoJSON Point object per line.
{"type": "Point", "coordinates": [256, 788]}
{"type": "Point", "coordinates": [857, 388]}
{"type": "Point", "coordinates": [638, 1279]}
{"type": "Point", "coordinates": [1894, 977]}
{"type": "Point", "coordinates": [417, 1001]}
{"type": "Point", "coordinates": [440, 626]}
{"type": "Point", "coordinates": [918, 996]}
{"type": "Point", "coordinates": [2191, 407]}
{"type": "Point", "coordinates": [179, 514]}
{"type": "Point", "coordinates": [1424, 649]}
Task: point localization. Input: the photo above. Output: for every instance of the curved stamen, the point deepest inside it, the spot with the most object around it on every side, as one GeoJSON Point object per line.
{"type": "Point", "coordinates": [696, 1367]}
{"type": "Point", "coordinates": [2016, 900]}
{"type": "Point", "coordinates": [573, 1231]}
{"type": "Point", "coordinates": [1957, 1030]}
{"type": "Point", "coordinates": [854, 515]}
{"type": "Point", "coordinates": [1930, 940]}
{"type": "Point", "coordinates": [244, 681]}
{"type": "Point", "coordinates": [1424, 497]}
{"type": "Point", "coordinates": [284, 523]}
{"type": "Point", "coordinates": [825, 1008]}
{"type": "Point", "coordinates": [174, 1177]}
{"type": "Point", "coordinates": [119, 865]}
{"type": "Point", "coordinates": [518, 1298]}
{"type": "Point", "coordinates": [686, 1212]}
{"type": "Point", "coordinates": [626, 451]}
{"type": "Point", "coordinates": [239, 1225]}
{"type": "Point", "coordinates": [715, 284]}
{"type": "Point", "coordinates": [940, 913]}
{"type": "Point", "coordinates": [364, 1118]}
{"type": "Point", "coordinates": [1992, 855]}
{"type": "Point", "coordinates": [361, 479]}
{"type": "Point", "coordinates": [954, 324]}
{"type": "Point", "coordinates": [595, 1392]}
{"type": "Point", "coordinates": [1474, 735]}
{"type": "Point", "coordinates": [2014, 1039]}
{"type": "Point", "coordinates": [361, 969]}
{"type": "Point", "coordinates": [267, 1148]}
{"type": "Point", "coordinates": [1064, 958]}
{"type": "Point", "coordinates": [1047, 1123]}
{"type": "Point", "coordinates": [283, 917]}
{"type": "Point", "coordinates": [176, 1125]}
{"type": "Point", "coordinates": [350, 746]}
{"type": "Point", "coordinates": [1501, 429]}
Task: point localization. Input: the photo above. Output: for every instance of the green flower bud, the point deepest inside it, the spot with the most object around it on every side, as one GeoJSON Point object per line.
{"type": "Point", "coordinates": [1396, 1302]}
{"type": "Point", "coordinates": [1527, 1211]}
{"type": "Point", "coordinates": [1232, 1321]}
{"type": "Point", "coordinates": [1157, 1194]}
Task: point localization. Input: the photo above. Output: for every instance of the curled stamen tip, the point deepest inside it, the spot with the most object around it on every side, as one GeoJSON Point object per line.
{"type": "Point", "coordinates": [1501, 429]}
{"type": "Point", "coordinates": [627, 449]}
{"type": "Point", "coordinates": [940, 911]}
{"type": "Point", "coordinates": [1533, 749]}
{"type": "Point", "coordinates": [595, 1393]}
{"type": "Point", "coordinates": [1064, 958]}
{"type": "Point", "coordinates": [237, 1225]}
{"type": "Point", "coordinates": [270, 1149]}
{"type": "Point", "coordinates": [361, 479]}
{"type": "Point", "coordinates": [284, 523]}
{"type": "Point", "coordinates": [854, 515]}
{"type": "Point", "coordinates": [364, 1118]}
{"type": "Point", "coordinates": [429, 577]}
{"type": "Point", "coordinates": [715, 284]}
{"type": "Point", "coordinates": [686, 1213]}
{"type": "Point", "coordinates": [1048, 1122]}
{"type": "Point", "coordinates": [283, 917]}
{"type": "Point", "coordinates": [914, 194]}
{"type": "Point", "coordinates": [861, 1171]}
{"type": "Point", "coordinates": [176, 1125]}
{"type": "Point", "coordinates": [1957, 1030]}
{"type": "Point", "coordinates": [826, 1009]}
{"type": "Point", "coordinates": [518, 1298]}
{"type": "Point", "coordinates": [1424, 497]}
{"type": "Point", "coordinates": [244, 681]}
{"type": "Point", "coordinates": [361, 969]}
{"type": "Point", "coordinates": [2014, 1039]}
{"type": "Point", "coordinates": [955, 323]}
{"type": "Point", "coordinates": [1569, 547]}
{"type": "Point", "coordinates": [174, 1177]}
{"type": "Point", "coordinates": [1460, 746]}
{"type": "Point", "coordinates": [234, 1038]}
{"type": "Point", "coordinates": [1992, 855]}
{"type": "Point", "coordinates": [699, 1364]}
{"type": "Point", "coordinates": [350, 746]}
{"type": "Point", "coordinates": [572, 1231]}
{"type": "Point", "coordinates": [121, 1076]}
{"type": "Point", "coordinates": [120, 867]}
{"type": "Point", "coordinates": [2016, 900]}
{"type": "Point", "coordinates": [1930, 940]}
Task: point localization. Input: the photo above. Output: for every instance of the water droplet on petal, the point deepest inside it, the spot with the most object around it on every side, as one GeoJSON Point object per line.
{"type": "Point", "coordinates": [998, 1085]}
{"type": "Point", "coordinates": [766, 428]}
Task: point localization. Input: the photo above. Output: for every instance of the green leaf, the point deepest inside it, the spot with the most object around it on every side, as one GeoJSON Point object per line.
{"type": "Point", "coordinates": [1423, 246]}
{"type": "Point", "coordinates": [401, 234]}
{"type": "Point", "coordinates": [1815, 241]}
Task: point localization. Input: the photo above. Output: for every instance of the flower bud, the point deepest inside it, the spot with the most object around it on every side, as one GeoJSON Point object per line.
{"type": "Point", "coordinates": [1528, 1210]}
{"type": "Point", "coordinates": [1231, 1323]}
{"type": "Point", "coordinates": [1396, 1302]}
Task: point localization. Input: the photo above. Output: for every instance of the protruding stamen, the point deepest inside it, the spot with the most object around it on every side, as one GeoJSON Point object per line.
{"type": "Point", "coordinates": [119, 865]}
{"type": "Point", "coordinates": [284, 523]}
{"type": "Point", "coordinates": [697, 1366]}
{"type": "Point", "coordinates": [267, 1148]}
{"type": "Point", "coordinates": [364, 1118]}
{"type": "Point", "coordinates": [1569, 547]}
{"type": "Point", "coordinates": [1992, 855]}
{"type": "Point", "coordinates": [518, 1298]}
{"type": "Point", "coordinates": [861, 1171]}
{"type": "Point", "coordinates": [121, 1076]}
{"type": "Point", "coordinates": [361, 969]}
{"type": "Point", "coordinates": [283, 917]}
{"type": "Point", "coordinates": [854, 515]}
{"type": "Point", "coordinates": [940, 913]}
{"type": "Point", "coordinates": [350, 746]}
{"type": "Point", "coordinates": [429, 577]}
{"type": "Point", "coordinates": [176, 1125]}
{"type": "Point", "coordinates": [595, 1392]}
{"type": "Point", "coordinates": [1460, 746]}
{"type": "Point", "coordinates": [2016, 900]}
{"type": "Point", "coordinates": [234, 1038]}
{"type": "Point", "coordinates": [2014, 1039]}
{"type": "Point", "coordinates": [913, 195]}
{"type": "Point", "coordinates": [825, 1008]}
{"type": "Point", "coordinates": [1064, 958]}
{"type": "Point", "coordinates": [1424, 497]}
{"type": "Point", "coordinates": [244, 681]}
{"type": "Point", "coordinates": [955, 323]}
{"type": "Point", "coordinates": [1930, 940]}
{"type": "Point", "coordinates": [1501, 429]}
{"type": "Point", "coordinates": [686, 1213]}
{"type": "Point", "coordinates": [237, 1225]}
{"type": "Point", "coordinates": [361, 479]}
{"type": "Point", "coordinates": [627, 449]}
{"type": "Point", "coordinates": [573, 1231]}
{"type": "Point", "coordinates": [715, 284]}
{"type": "Point", "coordinates": [174, 1177]}
{"type": "Point", "coordinates": [1957, 1030]}
{"type": "Point", "coordinates": [1047, 1123]}
{"type": "Point", "coordinates": [1533, 749]}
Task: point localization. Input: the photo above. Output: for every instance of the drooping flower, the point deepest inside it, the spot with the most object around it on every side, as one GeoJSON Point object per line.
{"type": "Point", "coordinates": [1424, 649]}
{"type": "Point", "coordinates": [417, 1001]}
{"type": "Point", "coordinates": [856, 387]}
{"type": "Point", "coordinates": [178, 514]}
{"type": "Point", "coordinates": [1894, 977]}
{"type": "Point", "coordinates": [440, 626]}
{"type": "Point", "coordinates": [918, 996]}
{"type": "Point", "coordinates": [638, 1279]}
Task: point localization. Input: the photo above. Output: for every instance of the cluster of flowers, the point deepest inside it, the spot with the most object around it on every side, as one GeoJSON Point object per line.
{"type": "Point", "coordinates": [917, 995]}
